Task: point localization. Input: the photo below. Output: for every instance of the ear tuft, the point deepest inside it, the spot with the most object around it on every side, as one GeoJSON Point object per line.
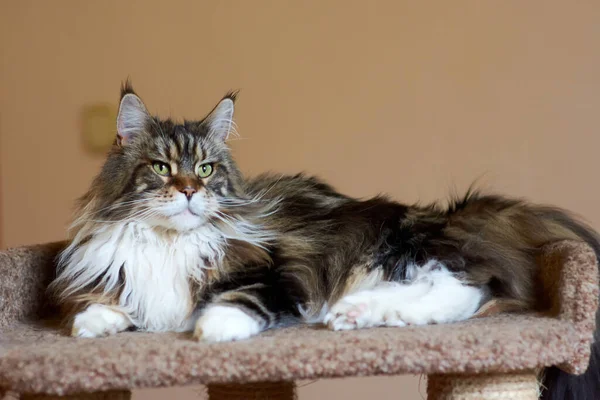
{"type": "Point", "coordinates": [133, 115]}
{"type": "Point", "coordinates": [220, 120]}
{"type": "Point", "coordinates": [126, 88]}
{"type": "Point", "coordinates": [232, 95]}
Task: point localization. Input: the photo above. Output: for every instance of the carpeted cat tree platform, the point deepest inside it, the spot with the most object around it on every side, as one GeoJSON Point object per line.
{"type": "Point", "coordinates": [494, 357]}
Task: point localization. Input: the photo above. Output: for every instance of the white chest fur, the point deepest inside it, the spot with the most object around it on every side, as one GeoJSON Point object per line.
{"type": "Point", "coordinates": [155, 269]}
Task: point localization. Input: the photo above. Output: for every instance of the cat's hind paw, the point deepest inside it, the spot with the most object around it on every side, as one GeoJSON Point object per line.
{"type": "Point", "coordinates": [361, 310]}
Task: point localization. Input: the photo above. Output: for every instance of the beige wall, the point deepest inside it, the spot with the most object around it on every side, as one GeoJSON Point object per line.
{"type": "Point", "coordinates": [410, 98]}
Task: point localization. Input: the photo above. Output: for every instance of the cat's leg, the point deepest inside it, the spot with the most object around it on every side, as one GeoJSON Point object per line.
{"type": "Point", "coordinates": [434, 296]}
{"type": "Point", "coordinates": [99, 320]}
{"type": "Point", "coordinates": [241, 307]}
{"type": "Point", "coordinates": [244, 312]}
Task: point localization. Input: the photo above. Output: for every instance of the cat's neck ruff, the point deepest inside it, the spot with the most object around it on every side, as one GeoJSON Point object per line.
{"type": "Point", "coordinates": [151, 268]}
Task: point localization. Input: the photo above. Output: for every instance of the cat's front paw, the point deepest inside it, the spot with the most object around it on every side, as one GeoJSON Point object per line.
{"type": "Point", "coordinates": [98, 320]}
{"type": "Point", "coordinates": [225, 323]}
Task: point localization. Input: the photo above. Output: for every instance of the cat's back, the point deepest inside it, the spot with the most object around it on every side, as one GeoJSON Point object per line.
{"type": "Point", "coordinates": [281, 186]}
{"type": "Point", "coordinates": [299, 200]}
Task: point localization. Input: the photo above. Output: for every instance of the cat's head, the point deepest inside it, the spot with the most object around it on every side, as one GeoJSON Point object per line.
{"type": "Point", "coordinates": [166, 174]}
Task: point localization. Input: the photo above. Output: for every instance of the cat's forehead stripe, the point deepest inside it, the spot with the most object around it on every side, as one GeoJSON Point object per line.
{"type": "Point", "coordinates": [181, 148]}
{"type": "Point", "coordinates": [199, 153]}
{"type": "Point", "coordinates": [190, 146]}
{"type": "Point", "coordinates": [180, 143]}
{"type": "Point", "coordinates": [160, 147]}
{"type": "Point", "coordinates": [174, 151]}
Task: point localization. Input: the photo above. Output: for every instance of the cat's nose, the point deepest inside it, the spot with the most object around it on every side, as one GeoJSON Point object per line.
{"type": "Point", "coordinates": [188, 191]}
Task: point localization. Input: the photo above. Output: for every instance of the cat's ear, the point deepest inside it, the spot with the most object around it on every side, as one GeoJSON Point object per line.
{"type": "Point", "coordinates": [133, 116]}
{"type": "Point", "coordinates": [220, 120]}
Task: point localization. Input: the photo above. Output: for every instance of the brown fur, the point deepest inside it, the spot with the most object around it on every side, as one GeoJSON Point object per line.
{"type": "Point", "coordinates": [332, 245]}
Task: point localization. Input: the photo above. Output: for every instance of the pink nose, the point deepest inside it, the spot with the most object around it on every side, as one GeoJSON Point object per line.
{"type": "Point", "coordinates": [188, 191]}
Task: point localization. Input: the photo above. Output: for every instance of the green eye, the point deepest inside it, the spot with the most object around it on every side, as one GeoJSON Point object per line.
{"type": "Point", "coordinates": [161, 169]}
{"type": "Point", "coordinates": [204, 170]}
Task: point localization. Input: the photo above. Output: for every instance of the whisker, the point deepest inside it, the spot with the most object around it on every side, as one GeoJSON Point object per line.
{"type": "Point", "coordinates": [122, 204]}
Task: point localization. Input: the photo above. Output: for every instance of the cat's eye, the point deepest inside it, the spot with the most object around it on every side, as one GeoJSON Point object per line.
{"type": "Point", "coordinates": [161, 168]}
{"type": "Point", "coordinates": [204, 170]}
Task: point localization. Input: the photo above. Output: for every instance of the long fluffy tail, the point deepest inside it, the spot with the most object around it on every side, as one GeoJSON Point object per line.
{"type": "Point", "coordinates": [484, 221]}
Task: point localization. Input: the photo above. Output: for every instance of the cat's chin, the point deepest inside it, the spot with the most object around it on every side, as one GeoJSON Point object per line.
{"type": "Point", "coordinates": [182, 222]}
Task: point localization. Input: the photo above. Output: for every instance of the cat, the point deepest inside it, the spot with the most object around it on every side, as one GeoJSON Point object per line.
{"type": "Point", "coordinates": [172, 237]}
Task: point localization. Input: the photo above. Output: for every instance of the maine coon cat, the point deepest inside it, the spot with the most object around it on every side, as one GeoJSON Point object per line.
{"type": "Point", "coordinates": [171, 237]}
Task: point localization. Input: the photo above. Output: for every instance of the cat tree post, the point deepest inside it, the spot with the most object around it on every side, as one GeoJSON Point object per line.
{"type": "Point", "coordinates": [514, 386]}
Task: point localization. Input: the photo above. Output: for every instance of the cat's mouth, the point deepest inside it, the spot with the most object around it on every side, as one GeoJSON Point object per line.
{"type": "Point", "coordinates": [187, 212]}
{"type": "Point", "coordinates": [190, 212]}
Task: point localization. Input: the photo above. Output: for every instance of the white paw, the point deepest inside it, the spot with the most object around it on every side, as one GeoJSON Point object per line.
{"type": "Point", "coordinates": [98, 320]}
{"type": "Point", "coordinates": [407, 314]}
{"type": "Point", "coordinates": [361, 310]}
{"type": "Point", "coordinates": [225, 323]}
